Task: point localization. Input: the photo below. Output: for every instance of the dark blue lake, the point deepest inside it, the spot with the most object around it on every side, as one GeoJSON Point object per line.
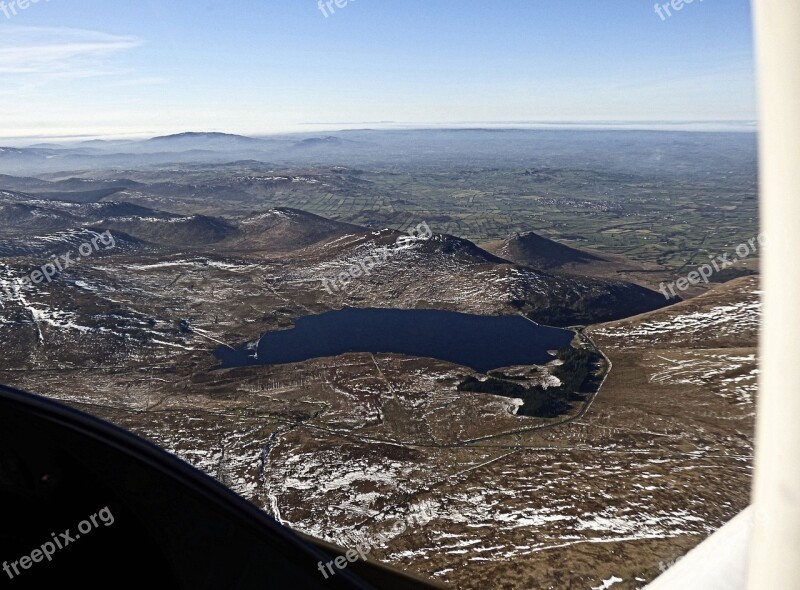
{"type": "Point", "coordinates": [482, 343]}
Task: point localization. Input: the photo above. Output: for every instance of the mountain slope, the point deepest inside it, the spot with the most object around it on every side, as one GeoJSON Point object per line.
{"type": "Point", "coordinates": [445, 272]}
{"type": "Point", "coordinates": [531, 249]}
{"type": "Point", "coordinates": [199, 141]}
{"type": "Point", "coordinates": [284, 229]}
{"type": "Point", "coordinates": [536, 251]}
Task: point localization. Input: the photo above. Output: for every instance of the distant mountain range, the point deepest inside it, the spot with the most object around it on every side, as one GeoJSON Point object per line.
{"type": "Point", "coordinates": [200, 141]}
{"type": "Point", "coordinates": [615, 151]}
{"type": "Point", "coordinates": [442, 270]}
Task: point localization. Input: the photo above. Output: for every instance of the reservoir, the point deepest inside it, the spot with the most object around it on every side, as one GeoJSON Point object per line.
{"type": "Point", "coordinates": [480, 342]}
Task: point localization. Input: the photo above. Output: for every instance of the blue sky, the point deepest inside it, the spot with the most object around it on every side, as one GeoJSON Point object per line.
{"type": "Point", "coordinates": [145, 67]}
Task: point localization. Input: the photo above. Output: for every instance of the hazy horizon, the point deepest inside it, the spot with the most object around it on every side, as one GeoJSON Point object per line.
{"type": "Point", "coordinates": [743, 126]}
{"type": "Point", "coordinates": [145, 69]}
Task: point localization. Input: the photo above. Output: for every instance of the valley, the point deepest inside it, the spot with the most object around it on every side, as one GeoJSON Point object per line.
{"type": "Point", "coordinates": [650, 451]}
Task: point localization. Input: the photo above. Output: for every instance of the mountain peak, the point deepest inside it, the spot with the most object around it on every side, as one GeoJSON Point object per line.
{"type": "Point", "coordinates": [531, 249]}
{"type": "Point", "coordinates": [202, 135]}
